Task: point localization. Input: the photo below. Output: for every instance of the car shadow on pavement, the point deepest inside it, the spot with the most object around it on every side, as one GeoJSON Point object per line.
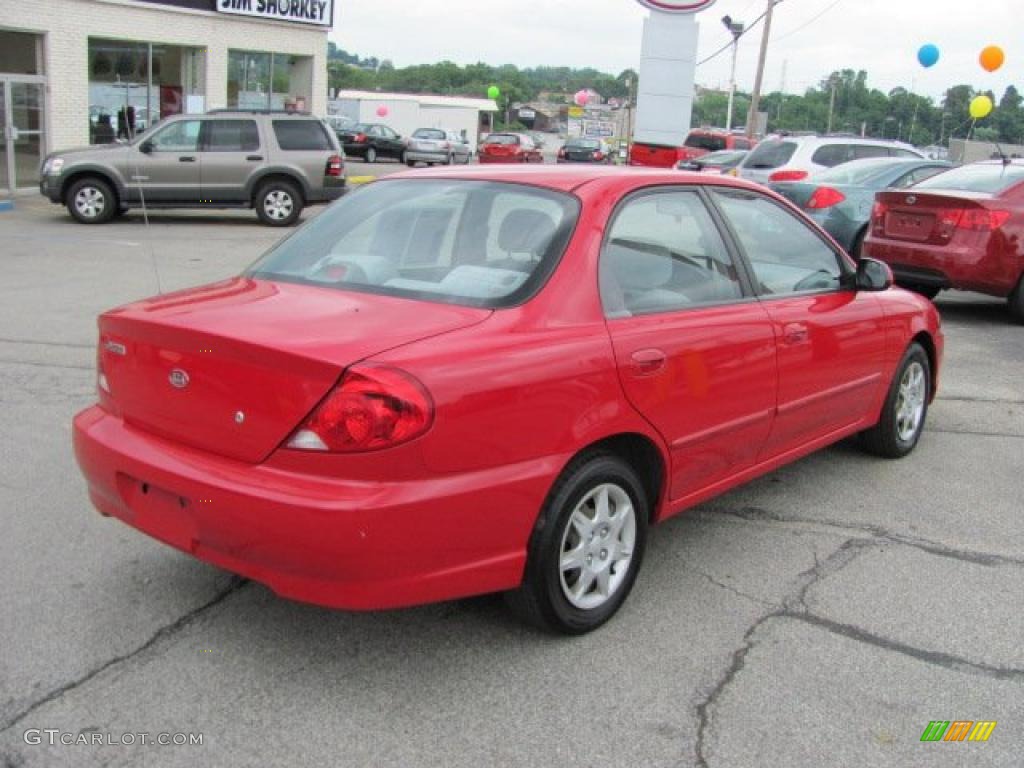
{"type": "Point", "coordinates": [982, 310]}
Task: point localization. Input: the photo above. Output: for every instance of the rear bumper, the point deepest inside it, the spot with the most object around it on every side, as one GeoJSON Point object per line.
{"type": "Point", "coordinates": [949, 266]}
{"type": "Point", "coordinates": [501, 159]}
{"type": "Point", "coordinates": [334, 542]}
{"type": "Point", "coordinates": [420, 156]}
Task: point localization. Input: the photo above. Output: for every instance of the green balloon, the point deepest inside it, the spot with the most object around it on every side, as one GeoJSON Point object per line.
{"type": "Point", "coordinates": [493, 92]}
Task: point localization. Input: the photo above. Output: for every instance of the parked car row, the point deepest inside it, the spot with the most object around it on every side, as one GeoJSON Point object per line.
{"type": "Point", "coordinates": [374, 141]}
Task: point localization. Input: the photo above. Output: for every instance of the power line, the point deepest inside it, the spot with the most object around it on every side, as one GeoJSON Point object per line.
{"type": "Point", "coordinates": [729, 45]}
{"type": "Point", "coordinates": [808, 22]}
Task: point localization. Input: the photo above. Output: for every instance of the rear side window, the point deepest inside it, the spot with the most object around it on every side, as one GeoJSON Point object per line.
{"type": "Point", "coordinates": [992, 178]}
{"type": "Point", "coordinates": [664, 253]}
{"type": "Point", "coordinates": [705, 141]}
{"type": "Point", "coordinates": [770, 154]}
{"type": "Point", "coordinates": [232, 136]}
{"type": "Point", "coordinates": [862, 151]}
{"type": "Point", "coordinates": [785, 255]}
{"type": "Point", "coordinates": [832, 155]}
{"type": "Point", "coordinates": [301, 135]}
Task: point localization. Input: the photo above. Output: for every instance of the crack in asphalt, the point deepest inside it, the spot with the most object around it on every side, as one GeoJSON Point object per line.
{"type": "Point", "coordinates": [35, 364]}
{"type": "Point", "coordinates": [993, 400]}
{"type": "Point", "coordinates": [712, 580]}
{"type": "Point", "coordinates": [31, 342]}
{"type": "Point", "coordinates": [168, 630]}
{"type": "Point", "coordinates": [794, 607]}
{"type": "Point", "coordinates": [757, 514]}
{"type": "Point", "coordinates": [975, 434]}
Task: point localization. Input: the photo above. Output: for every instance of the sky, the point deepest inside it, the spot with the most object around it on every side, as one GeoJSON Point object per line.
{"type": "Point", "coordinates": [880, 36]}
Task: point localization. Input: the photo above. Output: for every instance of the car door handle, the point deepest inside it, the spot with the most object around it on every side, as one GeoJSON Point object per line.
{"type": "Point", "coordinates": [795, 333]}
{"type": "Point", "coordinates": [255, 158]}
{"type": "Point", "coordinates": [647, 362]}
{"type": "Point", "coordinates": [186, 159]}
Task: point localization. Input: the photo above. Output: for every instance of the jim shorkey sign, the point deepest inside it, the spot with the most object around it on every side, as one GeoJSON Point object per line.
{"type": "Point", "coordinates": [668, 63]}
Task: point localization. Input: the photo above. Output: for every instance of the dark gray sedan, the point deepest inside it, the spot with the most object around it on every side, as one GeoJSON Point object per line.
{"type": "Point", "coordinates": [840, 198]}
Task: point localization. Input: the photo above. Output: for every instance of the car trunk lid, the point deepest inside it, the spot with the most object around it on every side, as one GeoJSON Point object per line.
{"type": "Point", "coordinates": [933, 218]}
{"type": "Point", "coordinates": [233, 368]}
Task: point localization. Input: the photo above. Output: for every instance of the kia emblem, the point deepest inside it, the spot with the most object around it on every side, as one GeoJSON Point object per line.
{"type": "Point", "coordinates": [178, 378]}
{"type": "Point", "coordinates": [911, 199]}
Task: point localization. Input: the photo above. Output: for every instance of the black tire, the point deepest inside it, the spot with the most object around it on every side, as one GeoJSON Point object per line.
{"type": "Point", "coordinates": [541, 599]}
{"type": "Point", "coordinates": [91, 200]}
{"type": "Point", "coordinates": [278, 203]}
{"type": "Point", "coordinates": [402, 158]}
{"type": "Point", "coordinates": [371, 155]}
{"type": "Point", "coordinates": [889, 438]}
{"type": "Point", "coordinates": [1016, 302]}
{"type": "Point", "coordinates": [450, 160]}
{"type": "Point", "coordinates": [410, 163]}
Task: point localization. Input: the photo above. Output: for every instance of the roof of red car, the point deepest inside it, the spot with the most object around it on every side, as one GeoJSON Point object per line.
{"type": "Point", "coordinates": [564, 178]}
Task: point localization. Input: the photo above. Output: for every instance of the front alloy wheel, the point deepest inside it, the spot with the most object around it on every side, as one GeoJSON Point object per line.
{"type": "Point", "coordinates": [905, 410]}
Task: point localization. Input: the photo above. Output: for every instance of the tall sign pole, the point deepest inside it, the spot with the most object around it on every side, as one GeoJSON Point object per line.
{"type": "Point", "coordinates": [668, 64]}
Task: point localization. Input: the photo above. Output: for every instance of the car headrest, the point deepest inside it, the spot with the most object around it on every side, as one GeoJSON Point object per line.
{"type": "Point", "coordinates": [637, 270]}
{"type": "Point", "coordinates": [525, 231]}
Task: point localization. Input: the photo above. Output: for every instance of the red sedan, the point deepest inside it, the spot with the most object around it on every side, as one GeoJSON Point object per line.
{"type": "Point", "coordinates": [960, 229]}
{"type": "Point", "coordinates": [463, 381]}
{"type": "Point", "coordinates": [509, 148]}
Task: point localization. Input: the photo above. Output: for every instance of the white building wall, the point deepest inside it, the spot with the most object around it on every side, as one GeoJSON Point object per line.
{"type": "Point", "coordinates": [67, 26]}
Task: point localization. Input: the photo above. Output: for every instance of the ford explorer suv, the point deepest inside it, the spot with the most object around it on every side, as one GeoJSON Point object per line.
{"type": "Point", "coordinates": [274, 162]}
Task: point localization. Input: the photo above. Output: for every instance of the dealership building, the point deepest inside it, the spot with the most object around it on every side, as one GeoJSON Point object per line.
{"type": "Point", "coordinates": [76, 72]}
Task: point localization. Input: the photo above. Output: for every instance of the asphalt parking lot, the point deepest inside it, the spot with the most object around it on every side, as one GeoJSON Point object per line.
{"type": "Point", "coordinates": [821, 616]}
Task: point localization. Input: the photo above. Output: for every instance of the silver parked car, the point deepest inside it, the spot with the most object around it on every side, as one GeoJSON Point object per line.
{"type": "Point", "coordinates": [797, 158]}
{"type": "Point", "coordinates": [436, 145]}
{"type": "Point", "coordinates": [274, 162]}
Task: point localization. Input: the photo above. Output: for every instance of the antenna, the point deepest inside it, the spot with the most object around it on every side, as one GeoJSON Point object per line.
{"type": "Point", "coordinates": [138, 178]}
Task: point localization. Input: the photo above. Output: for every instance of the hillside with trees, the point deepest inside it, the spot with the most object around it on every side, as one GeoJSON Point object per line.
{"type": "Point", "coordinates": [896, 114]}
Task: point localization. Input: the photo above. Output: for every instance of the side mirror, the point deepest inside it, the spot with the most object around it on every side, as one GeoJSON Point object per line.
{"type": "Point", "coordinates": [146, 147]}
{"type": "Point", "coordinates": [873, 275]}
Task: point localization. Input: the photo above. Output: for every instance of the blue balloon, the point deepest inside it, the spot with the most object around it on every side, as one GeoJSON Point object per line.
{"type": "Point", "coordinates": [928, 55]}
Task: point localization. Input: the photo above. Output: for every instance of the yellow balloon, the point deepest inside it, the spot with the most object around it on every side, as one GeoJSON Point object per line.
{"type": "Point", "coordinates": [981, 107]}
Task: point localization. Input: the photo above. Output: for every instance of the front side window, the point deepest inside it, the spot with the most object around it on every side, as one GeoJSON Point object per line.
{"type": "Point", "coordinates": [784, 253]}
{"type": "Point", "coordinates": [301, 135]}
{"type": "Point", "coordinates": [232, 136]}
{"type": "Point", "coordinates": [182, 136]}
{"type": "Point", "coordinates": [664, 253]}
{"type": "Point", "coordinates": [475, 243]}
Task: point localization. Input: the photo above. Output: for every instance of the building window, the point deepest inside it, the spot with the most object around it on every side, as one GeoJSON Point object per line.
{"type": "Point", "coordinates": [20, 53]}
{"type": "Point", "coordinates": [278, 81]}
{"type": "Point", "coordinates": [134, 85]}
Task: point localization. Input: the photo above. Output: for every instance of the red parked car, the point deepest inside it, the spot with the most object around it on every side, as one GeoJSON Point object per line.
{"type": "Point", "coordinates": [459, 381]}
{"type": "Point", "coordinates": [509, 148]}
{"type": "Point", "coordinates": [699, 142]}
{"type": "Point", "coordinates": [961, 229]}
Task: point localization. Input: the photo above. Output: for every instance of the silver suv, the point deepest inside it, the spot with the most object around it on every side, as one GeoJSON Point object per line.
{"type": "Point", "coordinates": [795, 158]}
{"type": "Point", "coordinates": [274, 162]}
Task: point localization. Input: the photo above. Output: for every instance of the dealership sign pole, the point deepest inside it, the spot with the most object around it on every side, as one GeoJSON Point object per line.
{"type": "Point", "coordinates": [668, 65]}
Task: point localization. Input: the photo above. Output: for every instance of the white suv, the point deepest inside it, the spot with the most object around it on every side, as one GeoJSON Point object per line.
{"type": "Point", "coordinates": [794, 158]}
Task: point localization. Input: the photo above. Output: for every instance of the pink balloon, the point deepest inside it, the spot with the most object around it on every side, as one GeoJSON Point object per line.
{"type": "Point", "coordinates": [581, 98]}
{"type": "Point", "coordinates": [382, 111]}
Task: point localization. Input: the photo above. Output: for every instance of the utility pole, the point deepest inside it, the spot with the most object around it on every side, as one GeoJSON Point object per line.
{"type": "Point", "coordinates": [755, 98]}
{"type": "Point", "coordinates": [831, 104]}
{"type": "Point", "coordinates": [736, 30]}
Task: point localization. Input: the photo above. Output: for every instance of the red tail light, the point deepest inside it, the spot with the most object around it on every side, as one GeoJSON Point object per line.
{"type": "Point", "coordinates": [825, 197]}
{"type": "Point", "coordinates": [359, 138]}
{"type": "Point", "coordinates": [878, 214]}
{"type": "Point", "coordinates": [972, 219]}
{"type": "Point", "coordinates": [370, 409]}
{"type": "Point", "coordinates": [788, 176]}
{"type": "Point", "coordinates": [599, 155]}
{"type": "Point", "coordinates": [561, 152]}
{"type": "Point", "coordinates": [334, 166]}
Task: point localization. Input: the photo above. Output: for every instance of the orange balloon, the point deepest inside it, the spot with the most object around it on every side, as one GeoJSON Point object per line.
{"type": "Point", "coordinates": [992, 58]}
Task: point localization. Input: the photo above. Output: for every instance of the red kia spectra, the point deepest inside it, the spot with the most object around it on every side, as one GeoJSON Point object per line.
{"type": "Point", "coordinates": [463, 381]}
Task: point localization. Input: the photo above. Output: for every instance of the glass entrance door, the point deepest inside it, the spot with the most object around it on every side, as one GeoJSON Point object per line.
{"type": "Point", "coordinates": [22, 119]}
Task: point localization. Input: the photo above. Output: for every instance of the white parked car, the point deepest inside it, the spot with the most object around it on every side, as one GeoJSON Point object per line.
{"type": "Point", "coordinates": [436, 145]}
{"type": "Point", "coordinates": [795, 158]}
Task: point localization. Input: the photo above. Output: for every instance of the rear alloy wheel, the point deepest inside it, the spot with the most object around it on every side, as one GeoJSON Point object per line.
{"type": "Point", "coordinates": [1016, 302]}
{"type": "Point", "coordinates": [91, 201]}
{"type": "Point", "coordinates": [586, 548]}
{"type": "Point", "coordinates": [279, 203]}
{"type": "Point", "coordinates": [371, 155]}
{"type": "Point", "coordinates": [905, 410]}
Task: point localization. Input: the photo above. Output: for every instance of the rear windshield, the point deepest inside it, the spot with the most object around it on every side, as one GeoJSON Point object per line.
{"type": "Point", "coordinates": [583, 144]}
{"type": "Point", "coordinates": [475, 243]}
{"type": "Point", "coordinates": [857, 172]}
{"type": "Point", "coordinates": [729, 157]}
{"type": "Point", "coordinates": [502, 138]}
{"type": "Point", "coordinates": [705, 141]}
{"type": "Point", "coordinates": [770, 154]}
{"type": "Point", "coordinates": [992, 178]}
{"type": "Point", "coordinates": [429, 133]}
{"type": "Point", "coordinates": [301, 135]}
